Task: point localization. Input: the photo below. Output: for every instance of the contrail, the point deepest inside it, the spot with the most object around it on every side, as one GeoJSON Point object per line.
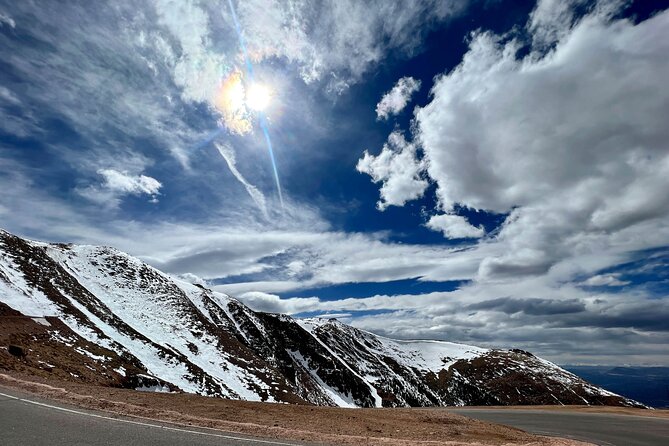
{"type": "Point", "coordinates": [263, 120]}
{"type": "Point", "coordinates": [229, 156]}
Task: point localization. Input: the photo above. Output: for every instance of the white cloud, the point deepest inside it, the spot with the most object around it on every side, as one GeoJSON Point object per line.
{"type": "Point", "coordinates": [344, 37]}
{"type": "Point", "coordinates": [117, 184]}
{"type": "Point", "coordinates": [584, 116]}
{"type": "Point", "coordinates": [125, 183]}
{"type": "Point", "coordinates": [110, 102]}
{"type": "Point", "coordinates": [570, 142]}
{"type": "Point", "coordinates": [333, 42]}
{"type": "Point", "coordinates": [397, 168]}
{"type": "Point", "coordinates": [192, 278]}
{"type": "Point", "coordinates": [197, 67]}
{"type": "Point", "coordinates": [551, 20]}
{"type": "Point", "coordinates": [7, 20]}
{"type": "Point", "coordinates": [9, 97]}
{"type": "Point", "coordinates": [263, 286]}
{"type": "Point", "coordinates": [605, 280]}
{"type": "Point", "coordinates": [393, 102]}
{"type": "Point", "coordinates": [454, 226]}
{"type": "Point", "coordinates": [272, 303]}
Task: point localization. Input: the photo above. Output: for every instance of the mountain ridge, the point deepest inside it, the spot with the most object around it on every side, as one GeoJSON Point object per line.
{"type": "Point", "coordinates": [150, 330]}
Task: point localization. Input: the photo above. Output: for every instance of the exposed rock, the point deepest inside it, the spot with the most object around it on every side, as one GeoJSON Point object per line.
{"type": "Point", "coordinates": [17, 351]}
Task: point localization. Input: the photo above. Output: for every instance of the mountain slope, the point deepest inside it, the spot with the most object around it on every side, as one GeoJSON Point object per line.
{"type": "Point", "coordinates": [134, 326]}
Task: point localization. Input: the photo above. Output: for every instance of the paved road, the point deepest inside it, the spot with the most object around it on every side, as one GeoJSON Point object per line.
{"type": "Point", "coordinates": [602, 429]}
{"type": "Point", "coordinates": [29, 421]}
{"type": "Point", "coordinates": [26, 420]}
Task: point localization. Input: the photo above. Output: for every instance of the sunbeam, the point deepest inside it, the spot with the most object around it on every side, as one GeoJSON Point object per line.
{"type": "Point", "coordinates": [251, 85]}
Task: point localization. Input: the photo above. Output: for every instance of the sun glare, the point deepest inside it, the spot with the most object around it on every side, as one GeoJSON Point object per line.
{"type": "Point", "coordinates": [258, 97]}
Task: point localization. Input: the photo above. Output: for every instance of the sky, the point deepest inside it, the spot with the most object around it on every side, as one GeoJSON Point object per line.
{"type": "Point", "coordinates": [482, 171]}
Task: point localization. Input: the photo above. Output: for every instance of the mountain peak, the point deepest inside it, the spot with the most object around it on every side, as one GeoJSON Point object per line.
{"type": "Point", "coordinates": [138, 327]}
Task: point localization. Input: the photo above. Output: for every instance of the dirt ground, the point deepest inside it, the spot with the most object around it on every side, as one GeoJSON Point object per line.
{"type": "Point", "coordinates": [335, 426]}
{"type": "Point", "coordinates": [655, 413]}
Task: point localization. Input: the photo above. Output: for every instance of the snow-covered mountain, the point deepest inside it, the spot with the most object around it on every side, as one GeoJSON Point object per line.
{"type": "Point", "coordinates": [95, 314]}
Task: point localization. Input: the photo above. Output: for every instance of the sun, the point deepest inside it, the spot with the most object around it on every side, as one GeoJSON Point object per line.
{"type": "Point", "coordinates": [258, 97]}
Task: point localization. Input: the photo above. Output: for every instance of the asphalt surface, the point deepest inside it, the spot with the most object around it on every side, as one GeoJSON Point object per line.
{"type": "Point", "coordinates": [29, 421]}
{"type": "Point", "coordinates": [601, 429]}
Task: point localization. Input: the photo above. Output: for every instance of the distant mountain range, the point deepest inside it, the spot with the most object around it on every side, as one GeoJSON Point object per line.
{"type": "Point", "coordinates": [649, 385]}
{"type": "Point", "coordinates": [97, 315]}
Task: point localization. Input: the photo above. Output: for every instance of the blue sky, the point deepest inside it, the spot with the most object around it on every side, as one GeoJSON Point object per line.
{"type": "Point", "coordinates": [489, 172]}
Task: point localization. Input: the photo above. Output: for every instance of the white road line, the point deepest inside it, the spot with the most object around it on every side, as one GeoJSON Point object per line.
{"type": "Point", "coordinates": [139, 423]}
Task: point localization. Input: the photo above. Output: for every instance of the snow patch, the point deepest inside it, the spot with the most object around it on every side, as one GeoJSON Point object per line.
{"type": "Point", "coordinates": [155, 388]}
{"type": "Point", "coordinates": [41, 321]}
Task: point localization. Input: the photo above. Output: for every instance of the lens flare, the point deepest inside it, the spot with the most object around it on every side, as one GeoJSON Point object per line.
{"type": "Point", "coordinates": [230, 101]}
{"type": "Point", "coordinates": [258, 97]}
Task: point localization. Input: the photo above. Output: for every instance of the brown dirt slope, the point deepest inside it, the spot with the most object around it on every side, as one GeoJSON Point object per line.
{"type": "Point", "coordinates": [391, 427]}
{"type": "Point", "coordinates": [47, 348]}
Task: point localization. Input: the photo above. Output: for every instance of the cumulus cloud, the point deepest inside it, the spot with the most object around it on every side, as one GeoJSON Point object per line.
{"type": "Point", "coordinates": [397, 168]}
{"type": "Point", "coordinates": [454, 226]}
{"type": "Point", "coordinates": [570, 142]}
{"type": "Point", "coordinates": [125, 183]}
{"type": "Point", "coordinates": [551, 20]}
{"type": "Point", "coordinates": [566, 141]}
{"type": "Point", "coordinates": [393, 102]}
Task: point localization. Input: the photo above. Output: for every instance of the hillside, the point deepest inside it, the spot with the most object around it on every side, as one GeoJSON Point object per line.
{"type": "Point", "coordinates": [97, 315]}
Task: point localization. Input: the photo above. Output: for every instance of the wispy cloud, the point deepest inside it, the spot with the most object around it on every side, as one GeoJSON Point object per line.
{"type": "Point", "coordinates": [228, 155]}
{"type": "Point", "coordinates": [605, 280]}
{"type": "Point", "coordinates": [337, 41]}
{"type": "Point", "coordinates": [7, 20]}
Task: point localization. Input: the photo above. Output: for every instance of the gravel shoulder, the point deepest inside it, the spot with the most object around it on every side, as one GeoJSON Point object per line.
{"type": "Point", "coordinates": [651, 413]}
{"type": "Point", "coordinates": [334, 426]}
